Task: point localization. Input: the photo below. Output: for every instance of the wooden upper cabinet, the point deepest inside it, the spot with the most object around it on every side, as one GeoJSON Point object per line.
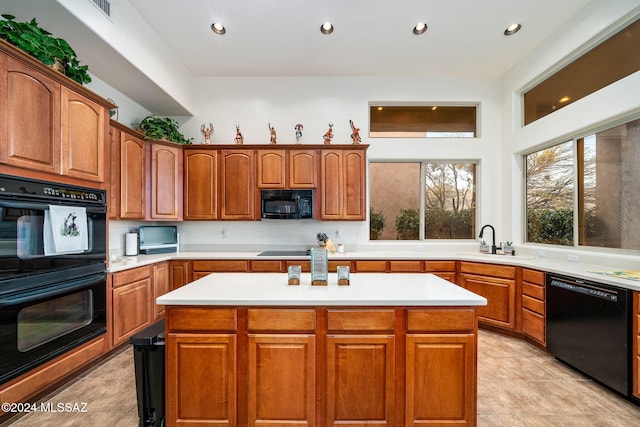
{"type": "Point", "coordinates": [201, 184]}
{"type": "Point", "coordinates": [236, 184]}
{"type": "Point", "coordinates": [343, 184]}
{"type": "Point", "coordinates": [114, 174]}
{"type": "Point", "coordinates": [84, 127]}
{"type": "Point", "coordinates": [303, 168]}
{"type": "Point", "coordinates": [29, 118]}
{"type": "Point", "coordinates": [271, 169]}
{"type": "Point", "coordinates": [166, 181]}
{"type": "Point", "coordinates": [132, 177]}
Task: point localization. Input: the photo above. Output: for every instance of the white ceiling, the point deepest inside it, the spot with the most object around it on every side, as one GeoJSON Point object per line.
{"type": "Point", "coordinates": [371, 37]}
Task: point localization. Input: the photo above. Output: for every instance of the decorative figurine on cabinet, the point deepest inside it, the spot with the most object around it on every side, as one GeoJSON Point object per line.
{"type": "Point", "coordinates": [272, 130]}
{"type": "Point", "coordinates": [207, 132]}
{"type": "Point", "coordinates": [355, 134]}
{"type": "Point", "coordinates": [239, 139]}
{"type": "Point", "coordinates": [298, 129]}
{"type": "Point", "coordinates": [328, 135]}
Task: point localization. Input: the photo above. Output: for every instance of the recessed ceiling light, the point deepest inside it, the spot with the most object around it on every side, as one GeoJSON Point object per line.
{"type": "Point", "coordinates": [420, 28]}
{"type": "Point", "coordinates": [218, 28]}
{"type": "Point", "coordinates": [564, 99]}
{"type": "Point", "coordinates": [512, 29]}
{"type": "Point", "coordinates": [326, 28]}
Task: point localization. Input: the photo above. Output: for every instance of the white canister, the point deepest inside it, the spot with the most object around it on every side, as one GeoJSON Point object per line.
{"type": "Point", "coordinates": [131, 244]}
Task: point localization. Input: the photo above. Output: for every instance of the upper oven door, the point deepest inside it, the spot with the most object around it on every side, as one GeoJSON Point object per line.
{"type": "Point", "coordinates": [22, 252]}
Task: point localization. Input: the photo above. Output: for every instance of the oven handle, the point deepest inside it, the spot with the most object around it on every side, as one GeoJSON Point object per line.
{"type": "Point", "coordinates": [45, 206]}
{"type": "Point", "coordinates": [53, 290]}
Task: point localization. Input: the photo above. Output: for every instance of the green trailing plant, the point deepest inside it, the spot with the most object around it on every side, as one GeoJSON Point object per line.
{"type": "Point", "coordinates": [39, 43]}
{"type": "Point", "coordinates": [155, 128]}
{"type": "Point", "coordinates": [376, 224]}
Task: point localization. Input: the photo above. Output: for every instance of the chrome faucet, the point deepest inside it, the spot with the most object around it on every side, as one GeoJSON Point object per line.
{"type": "Point", "coordinates": [493, 244]}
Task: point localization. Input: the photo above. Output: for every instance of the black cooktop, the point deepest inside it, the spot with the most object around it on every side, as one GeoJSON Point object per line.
{"type": "Point", "coordinates": [284, 253]}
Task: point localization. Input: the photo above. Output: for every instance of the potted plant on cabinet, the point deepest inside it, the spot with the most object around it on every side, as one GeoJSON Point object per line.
{"type": "Point", "coordinates": [39, 43]}
{"type": "Point", "coordinates": [157, 128]}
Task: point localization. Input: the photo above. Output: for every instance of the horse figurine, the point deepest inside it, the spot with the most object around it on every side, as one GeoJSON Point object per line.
{"type": "Point", "coordinates": [328, 135]}
{"type": "Point", "coordinates": [355, 134]}
{"type": "Point", "coordinates": [272, 130]}
{"type": "Point", "coordinates": [298, 129]}
{"type": "Point", "coordinates": [207, 132]}
{"type": "Point", "coordinates": [239, 139]}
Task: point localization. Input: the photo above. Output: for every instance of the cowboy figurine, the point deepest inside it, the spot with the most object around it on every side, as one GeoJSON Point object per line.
{"type": "Point", "coordinates": [328, 135]}
{"type": "Point", "coordinates": [273, 134]}
{"type": "Point", "coordinates": [298, 129]}
{"type": "Point", "coordinates": [355, 134]}
{"type": "Point", "coordinates": [239, 139]}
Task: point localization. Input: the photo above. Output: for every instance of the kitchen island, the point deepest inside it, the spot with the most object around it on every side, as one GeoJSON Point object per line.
{"type": "Point", "coordinates": [391, 349]}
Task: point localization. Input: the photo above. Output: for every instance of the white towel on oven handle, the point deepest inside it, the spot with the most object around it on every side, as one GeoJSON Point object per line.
{"type": "Point", "coordinates": [65, 230]}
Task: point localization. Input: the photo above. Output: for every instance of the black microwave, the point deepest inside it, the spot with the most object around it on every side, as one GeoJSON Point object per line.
{"type": "Point", "coordinates": [286, 204]}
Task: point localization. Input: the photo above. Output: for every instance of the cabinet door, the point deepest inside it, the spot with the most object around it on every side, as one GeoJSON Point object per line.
{"type": "Point", "coordinates": [178, 273]}
{"type": "Point", "coordinates": [282, 380]}
{"type": "Point", "coordinates": [114, 174]}
{"type": "Point", "coordinates": [441, 379]}
{"type": "Point", "coordinates": [236, 186]}
{"type": "Point", "coordinates": [166, 182]}
{"type": "Point", "coordinates": [84, 128]}
{"type": "Point", "coordinates": [160, 280]}
{"type": "Point", "coordinates": [354, 165]}
{"type": "Point", "coordinates": [201, 375]}
{"type": "Point", "coordinates": [636, 344]}
{"type": "Point", "coordinates": [271, 169]}
{"type": "Point", "coordinates": [303, 168]}
{"type": "Point", "coordinates": [501, 298]}
{"type": "Point", "coordinates": [131, 309]}
{"type": "Point", "coordinates": [360, 380]}
{"type": "Point", "coordinates": [132, 177]}
{"type": "Point", "coordinates": [332, 182]}
{"type": "Point", "coordinates": [200, 184]}
{"type": "Point", "coordinates": [29, 118]}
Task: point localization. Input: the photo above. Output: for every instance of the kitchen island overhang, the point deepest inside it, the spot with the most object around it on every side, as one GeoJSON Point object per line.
{"type": "Point", "coordinates": [247, 348]}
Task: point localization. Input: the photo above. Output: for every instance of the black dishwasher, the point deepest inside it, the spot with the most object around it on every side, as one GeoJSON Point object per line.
{"type": "Point", "coordinates": [589, 328]}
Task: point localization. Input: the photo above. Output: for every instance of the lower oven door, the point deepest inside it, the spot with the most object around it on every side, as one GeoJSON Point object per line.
{"type": "Point", "coordinates": [40, 322]}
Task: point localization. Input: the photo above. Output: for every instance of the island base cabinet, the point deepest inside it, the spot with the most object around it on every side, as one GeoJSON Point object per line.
{"type": "Point", "coordinates": [201, 379]}
{"type": "Point", "coordinates": [282, 380]}
{"type": "Point", "coordinates": [360, 380]}
{"type": "Point", "coordinates": [440, 371]}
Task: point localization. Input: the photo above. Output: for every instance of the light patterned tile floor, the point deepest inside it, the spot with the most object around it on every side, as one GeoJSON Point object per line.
{"type": "Point", "coordinates": [518, 385]}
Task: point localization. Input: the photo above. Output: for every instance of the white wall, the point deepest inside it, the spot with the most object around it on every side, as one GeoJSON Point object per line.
{"type": "Point", "coordinates": [609, 106]}
{"type": "Point", "coordinates": [128, 110]}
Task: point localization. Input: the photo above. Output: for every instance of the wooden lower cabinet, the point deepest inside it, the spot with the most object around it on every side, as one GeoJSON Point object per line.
{"type": "Point", "coordinates": [533, 305]}
{"type": "Point", "coordinates": [636, 344]}
{"type": "Point", "coordinates": [131, 303]}
{"type": "Point", "coordinates": [161, 285]}
{"type": "Point", "coordinates": [360, 380]}
{"type": "Point", "coordinates": [277, 366]}
{"type": "Point", "coordinates": [178, 273]}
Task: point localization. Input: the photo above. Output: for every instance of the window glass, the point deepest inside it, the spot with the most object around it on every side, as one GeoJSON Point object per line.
{"type": "Point", "coordinates": [422, 121]}
{"type": "Point", "coordinates": [549, 195]}
{"type": "Point", "coordinates": [447, 191]}
{"type": "Point", "coordinates": [609, 187]}
{"type": "Point", "coordinates": [612, 60]}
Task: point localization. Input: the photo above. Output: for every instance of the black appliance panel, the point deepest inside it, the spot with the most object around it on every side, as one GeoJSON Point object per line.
{"type": "Point", "coordinates": [286, 204]}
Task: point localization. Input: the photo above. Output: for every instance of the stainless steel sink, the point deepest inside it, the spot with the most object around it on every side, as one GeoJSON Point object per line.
{"type": "Point", "coordinates": [285, 253]}
{"type": "Point", "coordinates": [499, 256]}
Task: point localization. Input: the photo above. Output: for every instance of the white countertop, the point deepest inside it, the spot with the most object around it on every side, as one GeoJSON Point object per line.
{"type": "Point", "coordinates": [550, 265]}
{"type": "Point", "coordinates": [365, 289]}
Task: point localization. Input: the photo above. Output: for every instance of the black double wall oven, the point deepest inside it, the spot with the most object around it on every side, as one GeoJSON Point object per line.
{"type": "Point", "coordinates": [52, 298]}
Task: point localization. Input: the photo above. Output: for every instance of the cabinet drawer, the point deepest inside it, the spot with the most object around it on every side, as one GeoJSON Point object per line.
{"type": "Point", "coordinates": [130, 276]}
{"type": "Point", "coordinates": [532, 290]}
{"type": "Point", "coordinates": [440, 320]}
{"type": "Point", "coordinates": [371, 266]}
{"type": "Point", "coordinates": [333, 265]}
{"type": "Point", "coordinates": [305, 265]}
{"type": "Point", "coordinates": [431, 266]}
{"type": "Point", "coordinates": [222, 266]}
{"type": "Point", "coordinates": [267, 266]}
{"type": "Point", "coordinates": [360, 320]}
{"type": "Point", "coordinates": [405, 266]}
{"type": "Point", "coordinates": [533, 325]}
{"type": "Point", "coordinates": [201, 319]}
{"type": "Point", "coordinates": [493, 270]}
{"type": "Point", "coordinates": [266, 319]}
{"type": "Point", "coordinates": [533, 304]}
{"type": "Point", "coordinates": [533, 276]}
